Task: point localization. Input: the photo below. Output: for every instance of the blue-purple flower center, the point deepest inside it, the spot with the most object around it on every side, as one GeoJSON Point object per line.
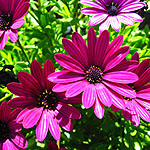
{"type": "Point", "coordinates": [4, 131]}
{"type": "Point", "coordinates": [47, 100]}
{"type": "Point", "coordinates": [94, 74]}
{"type": "Point", "coordinates": [112, 9]}
{"type": "Point", "coordinates": [5, 22]}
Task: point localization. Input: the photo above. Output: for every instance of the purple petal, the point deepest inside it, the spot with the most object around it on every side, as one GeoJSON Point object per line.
{"type": "Point", "coordinates": [90, 11]}
{"type": "Point", "coordinates": [68, 111]}
{"type": "Point", "coordinates": [144, 94]}
{"type": "Point", "coordinates": [98, 18]}
{"type": "Point", "coordinates": [22, 102]}
{"type": "Point", "coordinates": [76, 88]}
{"type": "Point", "coordinates": [19, 139]}
{"type": "Point", "coordinates": [143, 113]}
{"type": "Point", "coordinates": [144, 79]}
{"type": "Point", "coordinates": [145, 103]}
{"type": "Point", "coordinates": [65, 76]}
{"type": "Point", "coordinates": [9, 145]}
{"type": "Point", "coordinates": [4, 39]}
{"type": "Point", "coordinates": [20, 90]}
{"type": "Point", "coordinates": [121, 77]}
{"type": "Point", "coordinates": [122, 89]}
{"type": "Point", "coordinates": [69, 63]}
{"type": "Point", "coordinates": [101, 46]}
{"type": "Point", "coordinates": [115, 23]}
{"type": "Point", "coordinates": [4, 111]}
{"type": "Point", "coordinates": [53, 126]}
{"type": "Point", "coordinates": [29, 81]}
{"type": "Point", "coordinates": [124, 19]}
{"type": "Point", "coordinates": [132, 7]}
{"type": "Point", "coordinates": [134, 17]}
{"type": "Point", "coordinates": [48, 69]}
{"type": "Point", "coordinates": [135, 119]}
{"type": "Point", "coordinates": [116, 58]}
{"type": "Point", "coordinates": [14, 113]}
{"type": "Point", "coordinates": [42, 126]}
{"type": "Point", "coordinates": [135, 56]}
{"type": "Point", "coordinates": [13, 35]}
{"type": "Point", "coordinates": [98, 108]}
{"type": "Point", "coordinates": [14, 127]}
{"type": "Point", "coordinates": [88, 97]}
{"type": "Point", "coordinates": [104, 25]}
{"type": "Point", "coordinates": [91, 41]}
{"type": "Point", "coordinates": [104, 94]}
{"type": "Point", "coordinates": [18, 23]}
{"type": "Point", "coordinates": [142, 67]}
{"type": "Point", "coordinates": [32, 117]}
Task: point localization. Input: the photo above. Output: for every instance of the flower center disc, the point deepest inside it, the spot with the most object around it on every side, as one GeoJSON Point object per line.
{"type": "Point", "coordinates": [112, 9]}
{"type": "Point", "coordinates": [127, 98]}
{"type": "Point", "coordinates": [4, 131]}
{"type": "Point", "coordinates": [5, 22]}
{"type": "Point", "coordinates": [94, 74]}
{"type": "Point", "coordinates": [47, 100]}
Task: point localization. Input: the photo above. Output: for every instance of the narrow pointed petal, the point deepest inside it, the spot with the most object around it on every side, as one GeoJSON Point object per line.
{"type": "Point", "coordinates": [14, 127]}
{"type": "Point", "coordinates": [134, 17]}
{"type": "Point", "coordinates": [90, 11]}
{"type": "Point", "coordinates": [124, 19]}
{"type": "Point", "coordinates": [9, 145]}
{"type": "Point", "coordinates": [32, 117]}
{"type": "Point", "coordinates": [121, 77]}
{"type": "Point", "coordinates": [68, 111]}
{"type": "Point", "coordinates": [69, 63]}
{"type": "Point", "coordinates": [19, 140]}
{"type": "Point", "coordinates": [48, 69]}
{"type": "Point", "coordinates": [91, 41]}
{"type": "Point", "coordinates": [101, 46]}
{"type": "Point", "coordinates": [104, 94]}
{"type": "Point", "coordinates": [14, 114]}
{"type": "Point", "coordinates": [143, 113]}
{"type": "Point", "coordinates": [135, 119]}
{"type": "Point", "coordinates": [116, 58]}
{"type": "Point", "coordinates": [37, 73]}
{"type": "Point", "coordinates": [98, 18]}
{"type": "Point", "coordinates": [76, 88]}
{"type": "Point", "coordinates": [18, 23]}
{"type": "Point", "coordinates": [144, 94]}
{"type": "Point", "coordinates": [104, 25]}
{"type": "Point", "coordinates": [13, 35]}
{"type": "Point", "coordinates": [142, 67]}
{"type": "Point", "coordinates": [65, 76]}
{"type": "Point", "coordinates": [122, 89]}
{"type": "Point", "coordinates": [4, 112]}
{"type": "Point", "coordinates": [89, 95]}
{"type": "Point", "coordinates": [135, 56]}
{"type": "Point", "coordinates": [144, 79]}
{"type": "Point", "coordinates": [22, 102]}
{"type": "Point", "coordinates": [145, 103]}
{"type": "Point", "coordinates": [53, 126]}
{"type": "Point", "coordinates": [98, 108]}
{"type": "Point", "coordinates": [115, 23]}
{"type": "Point", "coordinates": [4, 39]}
{"type": "Point", "coordinates": [42, 126]}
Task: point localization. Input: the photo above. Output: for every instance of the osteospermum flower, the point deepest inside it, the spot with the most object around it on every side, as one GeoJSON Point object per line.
{"type": "Point", "coordinates": [53, 146]}
{"type": "Point", "coordinates": [112, 12]}
{"type": "Point", "coordinates": [89, 69]}
{"type": "Point", "coordinates": [11, 18]}
{"type": "Point", "coordinates": [10, 137]}
{"type": "Point", "coordinates": [140, 105]}
{"type": "Point", "coordinates": [42, 106]}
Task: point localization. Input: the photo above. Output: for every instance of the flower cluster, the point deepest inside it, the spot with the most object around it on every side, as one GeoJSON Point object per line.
{"type": "Point", "coordinates": [95, 74]}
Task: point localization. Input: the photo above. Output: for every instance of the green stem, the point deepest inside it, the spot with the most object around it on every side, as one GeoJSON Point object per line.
{"type": "Point", "coordinates": [22, 49]}
{"type": "Point", "coordinates": [2, 99]}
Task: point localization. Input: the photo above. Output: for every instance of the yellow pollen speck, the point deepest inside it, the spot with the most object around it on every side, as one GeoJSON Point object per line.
{"type": "Point", "coordinates": [42, 102]}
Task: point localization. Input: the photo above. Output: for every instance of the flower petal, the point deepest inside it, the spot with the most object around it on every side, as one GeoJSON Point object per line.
{"type": "Point", "coordinates": [124, 19]}
{"type": "Point", "coordinates": [3, 39]}
{"type": "Point", "coordinates": [13, 35]}
{"type": "Point", "coordinates": [104, 25]}
{"type": "Point", "coordinates": [144, 94]}
{"type": "Point", "coordinates": [14, 113]}
{"type": "Point", "coordinates": [18, 23]}
{"type": "Point", "coordinates": [115, 23]}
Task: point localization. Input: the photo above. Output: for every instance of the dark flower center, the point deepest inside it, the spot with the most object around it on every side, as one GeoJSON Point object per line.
{"type": "Point", "coordinates": [5, 22]}
{"type": "Point", "coordinates": [112, 9]}
{"type": "Point", "coordinates": [47, 100]}
{"type": "Point", "coordinates": [94, 74]}
{"type": "Point", "coordinates": [4, 131]}
{"type": "Point", "coordinates": [127, 98]}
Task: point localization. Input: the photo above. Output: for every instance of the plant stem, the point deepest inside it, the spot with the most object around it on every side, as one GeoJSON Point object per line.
{"type": "Point", "coordinates": [58, 144]}
{"type": "Point", "coordinates": [22, 49]}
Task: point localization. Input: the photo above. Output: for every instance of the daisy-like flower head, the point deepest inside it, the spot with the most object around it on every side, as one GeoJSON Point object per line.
{"type": "Point", "coordinates": [94, 70]}
{"type": "Point", "coordinates": [10, 137]}
{"type": "Point", "coordinates": [11, 18]}
{"type": "Point", "coordinates": [42, 106]}
{"type": "Point", "coordinates": [53, 146]}
{"type": "Point", "coordinates": [112, 12]}
{"type": "Point", "coordinates": [139, 106]}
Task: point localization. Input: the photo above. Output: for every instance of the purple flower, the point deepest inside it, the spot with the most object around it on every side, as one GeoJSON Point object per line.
{"type": "Point", "coordinates": [140, 105]}
{"type": "Point", "coordinates": [11, 18]}
{"type": "Point", "coordinates": [112, 12]}
{"type": "Point", "coordinates": [42, 106]}
{"type": "Point", "coordinates": [10, 137]}
{"type": "Point", "coordinates": [53, 146]}
{"type": "Point", "coordinates": [93, 70]}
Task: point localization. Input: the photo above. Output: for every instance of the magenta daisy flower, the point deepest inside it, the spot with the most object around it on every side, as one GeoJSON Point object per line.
{"type": "Point", "coordinates": [140, 105]}
{"type": "Point", "coordinates": [53, 146]}
{"type": "Point", "coordinates": [42, 106]}
{"type": "Point", "coordinates": [10, 137]}
{"type": "Point", "coordinates": [112, 12]}
{"type": "Point", "coordinates": [93, 70]}
{"type": "Point", "coordinates": [11, 18]}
